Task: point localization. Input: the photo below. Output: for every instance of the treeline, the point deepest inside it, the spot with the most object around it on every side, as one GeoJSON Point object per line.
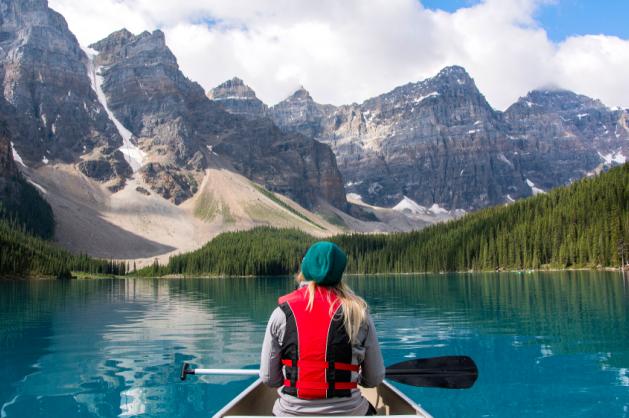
{"type": "Point", "coordinates": [583, 225]}
{"type": "Point", "coordinates": [23, 254]}
{"type": "Point", "coordinates": [262, 251]}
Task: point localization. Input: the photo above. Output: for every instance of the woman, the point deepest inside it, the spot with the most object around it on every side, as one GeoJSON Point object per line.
{"type": "Point", "coordinates": [320, 342]}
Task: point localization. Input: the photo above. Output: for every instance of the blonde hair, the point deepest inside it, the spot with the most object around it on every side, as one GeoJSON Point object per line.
{"type": "Point", "coordinates": [354, 307]}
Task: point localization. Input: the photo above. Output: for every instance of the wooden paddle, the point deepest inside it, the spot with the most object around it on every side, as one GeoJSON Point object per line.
{"type": "Point", "coordinates": [449, 372]}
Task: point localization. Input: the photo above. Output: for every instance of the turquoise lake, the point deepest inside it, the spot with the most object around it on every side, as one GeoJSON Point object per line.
{"type": "Point", "coordinates": [546, 344]}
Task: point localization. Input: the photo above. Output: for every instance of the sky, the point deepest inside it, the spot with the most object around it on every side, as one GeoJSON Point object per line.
{"type": "Point", "coordinates": [346, 51]}
{"type": "Point", "coordinates": [561, 19]}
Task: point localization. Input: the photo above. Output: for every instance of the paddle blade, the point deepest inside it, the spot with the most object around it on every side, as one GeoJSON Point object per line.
{"type": "Point", "coordinates": [450, 372]}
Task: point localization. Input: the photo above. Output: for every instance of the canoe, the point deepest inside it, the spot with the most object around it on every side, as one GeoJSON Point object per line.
{"type": "Point", "coordinates": [258, 400]}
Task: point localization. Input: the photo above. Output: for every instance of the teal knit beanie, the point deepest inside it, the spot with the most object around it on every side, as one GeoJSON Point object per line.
{"type": "Point", "coordinates": [324, 263]}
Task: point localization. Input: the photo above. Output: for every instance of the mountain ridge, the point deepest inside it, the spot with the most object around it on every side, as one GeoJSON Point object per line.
{"type": "Point", "coordinates": [140, 159]}
{"type": "Point", "coordinates": [438, 141]}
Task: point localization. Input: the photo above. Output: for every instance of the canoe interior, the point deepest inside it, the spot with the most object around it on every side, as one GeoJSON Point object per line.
{"type": "Point", "coordinates": [258, 400]}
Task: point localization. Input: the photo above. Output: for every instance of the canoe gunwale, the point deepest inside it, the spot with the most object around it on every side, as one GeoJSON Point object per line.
{"type": "Point", "coordinates": [419, 411]}
{"type": "Point", "coordinates": [220, 413]}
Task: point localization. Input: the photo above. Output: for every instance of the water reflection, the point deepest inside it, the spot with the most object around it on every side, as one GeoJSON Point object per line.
{"type": "Point", "coordinates": [111, 348]}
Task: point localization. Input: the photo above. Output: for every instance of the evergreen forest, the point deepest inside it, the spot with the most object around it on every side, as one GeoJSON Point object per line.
{"type": "Point", "coordinates": [584, 225]}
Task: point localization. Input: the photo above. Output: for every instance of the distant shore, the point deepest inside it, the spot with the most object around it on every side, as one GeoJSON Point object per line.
{"type": "Point", "coordinates": [88, 276]}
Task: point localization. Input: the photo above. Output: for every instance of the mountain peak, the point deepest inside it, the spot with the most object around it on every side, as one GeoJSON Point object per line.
{"type": "Point", "coordinates": [122, 43]}
{"type": "Point", "coordinates": [234, 88]}
{"type": "Point", "coordinates": [235, 81]}
{"type": "Point", "coordinates": [119, 37]}
{"type": "Point", "coordinates": [123, 37]}
{"type": "Point", "coordinates": [454, 73]}
{"type": "Point", "coordinates": [453, 69]}
{"type": "Point", "coordinates": [300, 94]}
{"type": "Point", "coordinates": [557, 99]}
{"type": "Point", "coordinates": [238, 98]}
{"type": "Point", "coordinates": [232, 83]}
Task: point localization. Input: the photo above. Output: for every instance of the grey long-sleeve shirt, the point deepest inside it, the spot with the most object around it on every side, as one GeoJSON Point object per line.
{"type": "Point", "coordinates": [366, 353]}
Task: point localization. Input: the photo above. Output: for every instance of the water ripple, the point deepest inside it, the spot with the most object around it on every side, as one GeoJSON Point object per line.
{"type": "Point", "coordinates": [549, 345]}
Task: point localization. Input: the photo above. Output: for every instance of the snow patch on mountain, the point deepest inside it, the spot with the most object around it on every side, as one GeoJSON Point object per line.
{"type": "Point", "coordinates": [613, 157]}
{"type": "Point", "coordinates": [409, 205]}
{"type": "Point", "coordinates": [436, 209]}
{"type": "Point", "coordinates": [354, 196]}
{"type": "Point", "coordinates": [211, 149]}
{"type": "Point", "coordinates": [233, 98]}
{"type": "Point", "coordinates": [422, 98]}
{"type": "Point", "coordinates": [132, 154]}
{"type": "Point", "coordinates": [505, 160]}
{"type": "Point", "coordinates": [535, 190]}
{"type": "Point", "coordinates": [16, 156]}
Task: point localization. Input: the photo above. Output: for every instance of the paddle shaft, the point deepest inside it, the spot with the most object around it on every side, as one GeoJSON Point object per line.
{"type": "Point", "coordinates": [236, 372]}
{"type": "Point", "coordinates": [449, 372]}
{"type": "Point", "coordinates": [244, 372]}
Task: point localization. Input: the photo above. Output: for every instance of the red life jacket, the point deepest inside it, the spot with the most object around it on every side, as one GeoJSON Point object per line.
{"type": "Point", "coordinates": [316, 351]}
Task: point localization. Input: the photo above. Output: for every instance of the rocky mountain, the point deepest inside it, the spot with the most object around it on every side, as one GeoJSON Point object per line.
{"type": "Point", "coordinates": [239, 99]}
{"type": "Point", "coordinates": [559, 136]}
{"type": "Point", "coordinates": [181, 131]}
{"type": "Point", "coordinates": [124, 106]}
{"type": "Point", "coordinates": [300, 113]}
{"type": "Point", "coordinates": [438, 143]}
{"type": "Point", "coordinates": [53, 109]}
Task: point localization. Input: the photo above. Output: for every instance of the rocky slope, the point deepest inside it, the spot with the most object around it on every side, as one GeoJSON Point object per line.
{"type": "Point", "coordinates": [181, 131]}
{"type": "Point", "coordinates": [440, 145]}
{"type": "Point", "coordinates": [55, 113]}
{"type": "Point", "coordinates": [559, 136]}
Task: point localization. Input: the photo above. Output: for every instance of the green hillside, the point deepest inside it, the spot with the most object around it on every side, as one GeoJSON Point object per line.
{"type": "Point", "coordinates": [583, 225]}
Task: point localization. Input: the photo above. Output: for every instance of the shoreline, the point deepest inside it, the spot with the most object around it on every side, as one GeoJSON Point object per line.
{"type": "Point", "coordinates": [88, 276]}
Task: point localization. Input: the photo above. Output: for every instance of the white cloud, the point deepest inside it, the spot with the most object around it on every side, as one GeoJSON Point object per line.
{"type": "Point", "coordinates": [347, 51]}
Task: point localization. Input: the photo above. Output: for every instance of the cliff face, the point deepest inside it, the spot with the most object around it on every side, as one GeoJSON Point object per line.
{"type": "Point", "coordinates": [435, 142]}
{"type": "Point", "coordinates": [55, 112]}
{"type": "Point", "coordinates": [182, 132]}
{"type": "Point", "coordinates": [300, 113]}
{"type": "Point", "coordinates": [439, 142]}
{"type": "Point", "coordinates": [560, 136]}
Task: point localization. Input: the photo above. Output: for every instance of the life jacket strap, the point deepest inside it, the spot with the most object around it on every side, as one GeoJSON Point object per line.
{"type": "Point", "coordinates": [321, 365]}
{"type": "Point", "coordinates": [321, 386]}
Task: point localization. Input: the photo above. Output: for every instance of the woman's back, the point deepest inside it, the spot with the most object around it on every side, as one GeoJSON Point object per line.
{"type": "Point", "coordinates": [315, 350]}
